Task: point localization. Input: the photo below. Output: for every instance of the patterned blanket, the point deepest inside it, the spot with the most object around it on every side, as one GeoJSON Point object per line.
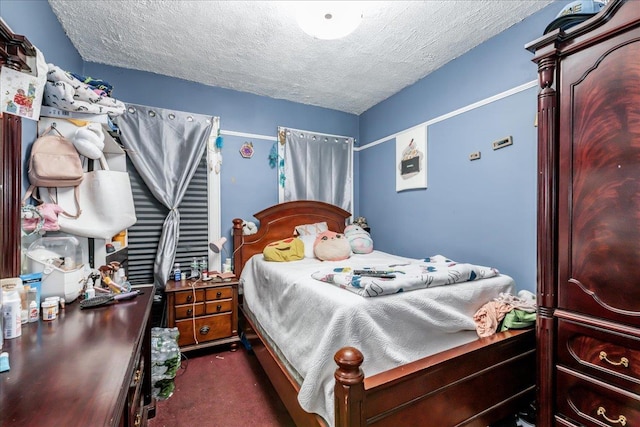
{"type": "Point", "coordinates": [427, 273]}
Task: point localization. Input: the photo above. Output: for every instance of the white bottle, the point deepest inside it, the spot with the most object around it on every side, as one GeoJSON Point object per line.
{"type": "Point", "coordinates": [89, 292]}
{"type": "Point", "coordinates": [11, 313]}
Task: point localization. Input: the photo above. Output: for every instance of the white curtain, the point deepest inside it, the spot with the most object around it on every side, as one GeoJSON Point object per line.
{"type": "Point", "coordinates": [316, 167]}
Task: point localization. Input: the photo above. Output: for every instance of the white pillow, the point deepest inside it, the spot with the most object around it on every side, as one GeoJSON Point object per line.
{"type": "Point", "coordinates": [308, 241]}
{"type": "Point", "coordinates": [311, 229]}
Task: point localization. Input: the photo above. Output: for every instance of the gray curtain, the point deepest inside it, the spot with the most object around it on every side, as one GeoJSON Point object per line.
{"type": "Point", "coordinates": [318, 167]}
{"type": "Point", "coordinates": [165, 147]}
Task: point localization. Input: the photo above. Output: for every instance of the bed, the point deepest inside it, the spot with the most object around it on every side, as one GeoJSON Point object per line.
{"type": "Point", "coordinates": [441, 376]}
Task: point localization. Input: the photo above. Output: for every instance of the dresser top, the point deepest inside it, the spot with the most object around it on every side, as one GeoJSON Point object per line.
{"type": "Point", "coordinates": [76, 369]}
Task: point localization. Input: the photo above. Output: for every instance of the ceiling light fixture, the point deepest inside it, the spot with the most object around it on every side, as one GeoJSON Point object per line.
{"type": "Point", "coordinates": [329, 20]}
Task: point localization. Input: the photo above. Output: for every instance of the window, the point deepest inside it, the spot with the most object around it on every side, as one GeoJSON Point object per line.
{"type": "Point", "coordinates": [194, 223]}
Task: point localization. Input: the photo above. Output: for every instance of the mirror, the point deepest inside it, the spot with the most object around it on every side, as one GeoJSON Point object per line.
{"type": "Point", "coordinates": [15, 52]}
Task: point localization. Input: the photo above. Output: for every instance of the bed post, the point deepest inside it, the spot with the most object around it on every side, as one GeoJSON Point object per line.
{"type": "Point", "coordinates": [237, 231]}
{"type": "Point", "coordinates": [349, 388]}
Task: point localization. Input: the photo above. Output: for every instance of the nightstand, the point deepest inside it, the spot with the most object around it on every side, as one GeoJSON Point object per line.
{"type": "Point", "coordinates": [205, 312]}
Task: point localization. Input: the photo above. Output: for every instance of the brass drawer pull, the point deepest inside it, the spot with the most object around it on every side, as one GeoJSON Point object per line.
{"type": "Point", "coordinates": [138, 420]}
{"type": "Point", "coordinates": [204, 330]}
{"type": "Point", "coordinates": [136, 377]}
{"type": "Point", "coordinates": [218, 307]}
{"type": "Point", "coordinates": [622, 420]}
{"type": "Point", "coordinates": [623, 360]}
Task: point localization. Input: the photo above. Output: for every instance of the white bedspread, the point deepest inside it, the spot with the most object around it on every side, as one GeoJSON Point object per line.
{"type": "Point", "coordinates": [309, 320]}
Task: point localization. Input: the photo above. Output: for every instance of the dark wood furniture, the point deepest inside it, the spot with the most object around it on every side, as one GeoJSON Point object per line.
{"type": "Point", "coordinates": [205, 312]}
{"type": "Point", "coordinates": [452, 388]}
{"type": "Point", "coordinates": [14, 52]}
{"type": "Point", "coordinates": [88, 367]}
{"type": "Point", "coordinates": [588, 329]}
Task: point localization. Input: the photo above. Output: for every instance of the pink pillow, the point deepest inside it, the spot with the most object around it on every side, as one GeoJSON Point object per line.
{"type": "Point", "coordinates": [331, 246]}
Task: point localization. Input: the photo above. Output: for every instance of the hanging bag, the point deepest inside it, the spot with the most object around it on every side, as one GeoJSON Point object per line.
{"type": "Point", "coordinates": [54, 163]}
{"type": "Point", "coordinates": [106, 201]}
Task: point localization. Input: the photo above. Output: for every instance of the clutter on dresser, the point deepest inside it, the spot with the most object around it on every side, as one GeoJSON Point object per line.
{"type": "Point", "coordinates": [60, 262]}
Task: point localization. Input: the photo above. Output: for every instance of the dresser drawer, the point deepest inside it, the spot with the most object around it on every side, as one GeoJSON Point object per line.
{"type": "Point", "coordinates": [219, 293]}
{"type": "Point", "coordinates": [594, 403]}
{"type": "Point", "coordinates": [221, 306]}
{"type": "Point", "coordinates": [207, 328]}
{"type": "Point", "coordinates": [607, 355]}
{"type": "Point", "coordinates": [188, 311]}
{"type": "Point", "coordinates": [186, 297]}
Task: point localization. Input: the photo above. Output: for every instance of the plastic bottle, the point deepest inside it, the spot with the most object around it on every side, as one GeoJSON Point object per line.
{"type": "Point", "coordinates": [33, 305]}
{"type": "Point", "coordinates": [204, 269]}
{"type": "Point", "coordinates": [177, 274]}
{"type": "Point", "coordinates": [90, 292]}
{"type": "Point", "coordinates": [11, 312]}
{"type": "Point", "coordinates": [195, 268]}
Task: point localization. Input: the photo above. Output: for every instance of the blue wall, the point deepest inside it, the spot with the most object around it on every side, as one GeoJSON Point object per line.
{"type": "Point", "coordinates": [482, 211]}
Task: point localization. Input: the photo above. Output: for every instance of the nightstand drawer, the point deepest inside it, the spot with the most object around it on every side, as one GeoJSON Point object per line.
{"type": "Point", "coordinates": [219, 293]}
{"type": "Point", "coordinates": [594, 403]}
{"type": "Point", "coordinates": [610, 356]}
{"type": "Point", "coordinates": [186, 297]}
{"type": "Point", "coordinates": [206, 328]}
{"type": "Point", "coordinates": [188, 311]}
{"type": "Point", "coordinates": [221, 306]}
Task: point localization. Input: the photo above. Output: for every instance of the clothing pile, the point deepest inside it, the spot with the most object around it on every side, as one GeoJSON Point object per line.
{"type": "Point", "coordinates": [66, 92]}
{"type": "Point", "coordinates": [506, 312]}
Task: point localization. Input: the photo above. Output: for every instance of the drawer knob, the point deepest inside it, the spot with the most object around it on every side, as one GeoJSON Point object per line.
{"type": "Point", "coordinates": [137, 376]}
{"type": "Point", "coordinates": [218, 307]}
{"type": "Point", "coordinates": [623, 360]}
{"type": "Point", "coordinates": [189, 298]}
{"type": "Point", "coordinates": [622, 420]}
{"type": "Point", "coordinates": [189, 312]}
{"type": "Point", "coordinates": [218, 294]}
{"type": "Point", "coordinates": [204, 330]}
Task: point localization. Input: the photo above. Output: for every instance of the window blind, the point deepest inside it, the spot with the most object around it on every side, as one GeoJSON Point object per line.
{"type": "Point", "coordinates": [143, 237]}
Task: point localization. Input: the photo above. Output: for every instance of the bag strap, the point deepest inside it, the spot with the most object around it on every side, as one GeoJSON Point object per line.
{"type": "Point", "coordinates": [76, 195]}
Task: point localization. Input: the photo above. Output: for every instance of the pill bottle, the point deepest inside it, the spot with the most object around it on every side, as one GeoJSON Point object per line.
{"type": "Point", "coordinates": [49, 310]}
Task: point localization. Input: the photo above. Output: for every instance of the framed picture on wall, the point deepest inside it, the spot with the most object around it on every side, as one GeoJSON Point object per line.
{"type": "Point", "coordinates": [411, 159]}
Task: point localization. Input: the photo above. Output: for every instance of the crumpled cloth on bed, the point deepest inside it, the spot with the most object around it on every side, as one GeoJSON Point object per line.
{"type": "Point", "coordinates": [66, 92]}
{"type": "Point", "coordinates": [489, 316]}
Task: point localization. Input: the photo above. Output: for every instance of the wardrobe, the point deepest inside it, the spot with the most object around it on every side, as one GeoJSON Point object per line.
{"type": "Point", "coordinates": [588, 325]}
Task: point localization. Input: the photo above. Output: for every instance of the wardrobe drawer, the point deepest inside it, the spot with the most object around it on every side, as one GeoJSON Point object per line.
{"type": "Point", "coordinates": [219, 293]}
{"type": "Point", "coordinates": [610, 356]}
{"type": "Point", "coordinates": [594, 403]}
{"type": "Point", "coordinates": [187, 297]}
{"type": "Point", "coordinates": [207, 328]}
{"type": "Point", "coordinates": [222, 306]}
{"type": "Point", "coordinates": [188, 311]}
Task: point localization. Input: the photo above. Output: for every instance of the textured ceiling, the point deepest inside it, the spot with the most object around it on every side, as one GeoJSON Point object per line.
{"type": "Point", "coordinates": [257, 47]}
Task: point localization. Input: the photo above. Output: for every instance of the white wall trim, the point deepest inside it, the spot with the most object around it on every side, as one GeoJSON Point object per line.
{"type": "Point", "coordinates": [459, 111]}
{"type": "Point", "coordinates": [248, 135]}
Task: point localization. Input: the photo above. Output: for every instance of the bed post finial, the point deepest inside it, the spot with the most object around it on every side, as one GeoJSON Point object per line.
{"type": "Point", "coordinates": [349, 388]}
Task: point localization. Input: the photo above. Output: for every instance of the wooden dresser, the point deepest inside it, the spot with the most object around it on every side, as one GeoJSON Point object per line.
{"type": "Point", "coordinates": [588, 330]}
{"type": "Point", "coordinates": [88, 367]}
{"type": "Point", "coordinates": [205, 312]}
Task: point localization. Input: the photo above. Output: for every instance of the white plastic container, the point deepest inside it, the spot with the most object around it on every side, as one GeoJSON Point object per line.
{"type": "Point", "coordinates": [11, 314]}
{"type": "Point", "coordinates": [60, 260]}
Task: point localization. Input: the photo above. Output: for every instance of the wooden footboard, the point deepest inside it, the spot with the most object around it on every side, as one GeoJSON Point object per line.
{"type": "Point", "coordinates": [475, 384]}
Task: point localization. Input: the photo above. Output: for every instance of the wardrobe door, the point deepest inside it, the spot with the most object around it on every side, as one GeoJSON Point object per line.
{"type": "Point", "coordinates": [599, 183]}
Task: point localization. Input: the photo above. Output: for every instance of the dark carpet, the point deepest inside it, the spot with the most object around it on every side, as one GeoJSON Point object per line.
{"type": "Point", "coordinates": [221, 389]}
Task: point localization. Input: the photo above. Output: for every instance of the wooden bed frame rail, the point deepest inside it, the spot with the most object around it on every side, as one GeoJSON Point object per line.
{"type": "Point", "coordinates": [475, 384]}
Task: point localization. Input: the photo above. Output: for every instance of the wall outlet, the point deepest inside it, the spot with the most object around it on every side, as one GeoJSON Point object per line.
{"type": "Point", "coordinates": [474, 156]}
{"type": "Point", "coordinates": [501, 143]}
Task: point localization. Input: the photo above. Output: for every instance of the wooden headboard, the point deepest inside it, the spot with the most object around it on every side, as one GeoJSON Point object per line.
{"type": "Point", "coordinates": [278, 222]}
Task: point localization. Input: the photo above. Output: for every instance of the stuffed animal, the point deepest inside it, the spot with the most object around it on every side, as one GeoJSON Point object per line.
{"type": "Point", "coordinates": [248, 228]}
{"type": "Point", "coordinates": [359, 240]}
{"type": "Point", "coordinates": [291, 249]}
{"type": "Point", "coordinates": [331, 246]}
